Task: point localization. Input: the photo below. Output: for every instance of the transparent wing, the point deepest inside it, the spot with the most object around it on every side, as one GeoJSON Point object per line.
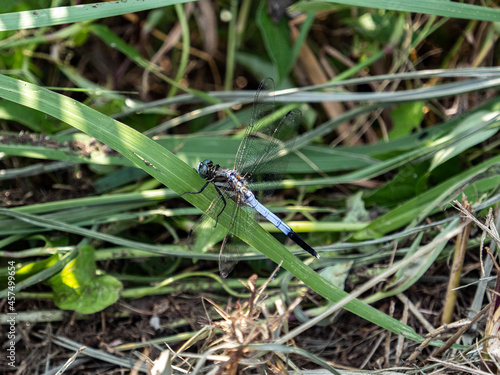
{"type": "Point", "coordinates": [252, 145]}
{"type": "Point", "coordinates": [205, 233]}
{"type": "Point", "coordinates": [232, 247]}
{"type": "Point", "coordinates": [273, 162]}
{"type": "Point", "coordinates": [263, 154]}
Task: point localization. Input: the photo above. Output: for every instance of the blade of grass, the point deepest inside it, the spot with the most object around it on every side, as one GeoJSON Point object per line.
{"type": "Point", "coordinates": [231, 45]}
{"type": "Point", "coordinates": [77, 216]}
{"type": "Point", "coordinates": [114, 41]}
{"type": "Point", "coordinates": [186, 43]}
{"type": "Point", "coordinates": [439, 8]}
{"type": "Point", "coordinates": [60, 15]}
{"type": "Point", "coordinates": [419, 207]}
{"type": "Point", "coordinates": [44, 274]}
{"type": "Point", "coordinates": [276, 36]}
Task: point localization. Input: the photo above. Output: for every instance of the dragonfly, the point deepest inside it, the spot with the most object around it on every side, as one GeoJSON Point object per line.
{"type": "Point", "coordinates": [262, 157]}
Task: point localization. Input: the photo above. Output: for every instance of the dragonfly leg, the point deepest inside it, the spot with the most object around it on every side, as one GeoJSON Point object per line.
{"type": "Point", "coordinates": [218, 192]}
{"type": "Point", "coordinates": [196, 192]}
{"type": "Point", "coordinates": [223, 207]}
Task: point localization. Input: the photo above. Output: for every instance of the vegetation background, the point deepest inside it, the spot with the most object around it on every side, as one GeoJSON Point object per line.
{"type": "Point", "coordinates": [107, 107]}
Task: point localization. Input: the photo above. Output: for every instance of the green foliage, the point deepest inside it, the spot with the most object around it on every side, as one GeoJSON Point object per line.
{"type": "Point", "coordinates": [30, 118]}
{"type": "Point", "coordinates": [80, 288]}
{"type": "Point", "coordinates": [277, 39]}
{"type": "Point", "coordinates": [439, 8]}
{"type": "Point", "coordinates": [36, 267]}
{"type": "Point", "coordinates": [406, 118]}
{"type": "Point", "coordinates": [473, 130]}
{"type": "Point", "coordinates": [409, 182]}
{"type": "Point", "coordinates": [124, 144]}
{"type": "Point", "coordinates": [378, 27]}
{"type": "Point", "coordinates": [56, 16]}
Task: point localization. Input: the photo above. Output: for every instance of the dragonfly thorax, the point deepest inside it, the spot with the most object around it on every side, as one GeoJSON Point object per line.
{"type": "Point", "coordinates": [228, 180]}
{"type": "Point", "coordinates": [233, 184]}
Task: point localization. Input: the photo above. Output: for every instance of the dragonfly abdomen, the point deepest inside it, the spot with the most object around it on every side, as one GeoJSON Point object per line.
{"type": "Point", "coordinates": [277, 222]}
{"type": "Point", "coordinates": [261, 209]}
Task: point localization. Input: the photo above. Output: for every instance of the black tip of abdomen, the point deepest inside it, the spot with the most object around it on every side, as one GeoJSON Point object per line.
{"type": "Point", "coordinates": [299, 241]}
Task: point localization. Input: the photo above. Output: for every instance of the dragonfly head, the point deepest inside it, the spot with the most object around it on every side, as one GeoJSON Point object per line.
{"type": "Point", "coordinates": [203, 168]}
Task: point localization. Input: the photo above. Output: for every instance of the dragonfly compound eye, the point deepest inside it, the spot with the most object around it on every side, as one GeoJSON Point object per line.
{"type": "Point", "coordinates": [203, 168]}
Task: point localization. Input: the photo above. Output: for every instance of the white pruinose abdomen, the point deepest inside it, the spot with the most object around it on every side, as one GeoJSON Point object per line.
{"type": "Point", "coordinates": [261, 209]}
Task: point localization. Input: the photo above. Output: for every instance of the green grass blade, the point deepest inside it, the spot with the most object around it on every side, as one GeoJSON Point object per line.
{"type": "Point", "coordinates": [60, 15]}
{"type": "Point", "coordinates": [423, 204]}
{"type": "Point", "coordinates": [439, 8]}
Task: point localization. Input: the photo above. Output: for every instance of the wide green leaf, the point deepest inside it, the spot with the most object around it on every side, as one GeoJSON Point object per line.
{"type": "Point", "coordinates": [80, 288]}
